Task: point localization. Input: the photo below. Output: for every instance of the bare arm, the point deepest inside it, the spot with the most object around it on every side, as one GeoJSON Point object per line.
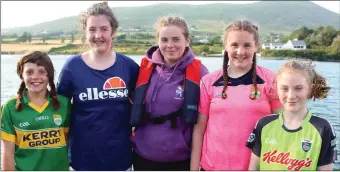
{"type": "Point", "coordinates": [7, 156]}
{"type": "Point", "coordinates": [328, 167]}
{"type": "Point", "coordinates": [197, 141]}
{"type": "Point", "coordinates": [254, 162]}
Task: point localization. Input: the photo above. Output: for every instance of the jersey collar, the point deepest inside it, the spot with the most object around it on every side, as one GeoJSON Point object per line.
{"type": "Point", "coordinates": [33, 106]}
{"type": "Point", "coordinates": [304, 122]}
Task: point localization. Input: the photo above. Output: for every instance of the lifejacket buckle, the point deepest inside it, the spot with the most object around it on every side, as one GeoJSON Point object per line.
{"type": "Point", "coordinates": [158, 119]}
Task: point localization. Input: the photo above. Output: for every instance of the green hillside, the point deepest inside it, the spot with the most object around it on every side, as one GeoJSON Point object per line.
{"type": "Point", "coordinates": [283, 16]}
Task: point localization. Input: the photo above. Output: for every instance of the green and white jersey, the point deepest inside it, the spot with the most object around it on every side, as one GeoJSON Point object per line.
{"type": "Point", "coordinates": [39, 134]}
{"type": "Point", "coordinates": [306, 148]}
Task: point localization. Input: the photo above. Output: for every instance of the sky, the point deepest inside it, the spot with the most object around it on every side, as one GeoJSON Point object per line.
{"type": "Point", "coordinates": [27, 13]}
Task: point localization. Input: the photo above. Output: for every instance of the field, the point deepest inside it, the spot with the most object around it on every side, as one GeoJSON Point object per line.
{"type": "Point", "coordinates": [39, 41]}
{"type": "Point", "coordinates": [129, 46]}
{"type": "Point", "coordinates": [8, 45]}
{"type": "Point", "coordinates": [27, 47]}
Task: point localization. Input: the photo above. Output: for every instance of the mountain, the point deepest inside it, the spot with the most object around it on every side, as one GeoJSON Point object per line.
{"type": "Point", "coordinates": [282, 16]}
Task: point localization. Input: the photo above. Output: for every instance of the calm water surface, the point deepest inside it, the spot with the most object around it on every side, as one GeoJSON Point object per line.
{"type": "Point", "coordinates": [327, 108]}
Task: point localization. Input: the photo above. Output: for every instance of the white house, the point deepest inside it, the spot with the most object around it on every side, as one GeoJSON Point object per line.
{"type": "Point", "coordinates": [204, 40]}
{"type": "Point", "coordinates": [295, 45]}
{"type": "Point", "coordinates": [265, 46]}
{"type": "Point", "coordinates": [276, 46]}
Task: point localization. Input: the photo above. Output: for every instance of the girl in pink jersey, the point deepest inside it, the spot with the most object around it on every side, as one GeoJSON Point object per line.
{"type": "Point", "coordinates": [231, 101]}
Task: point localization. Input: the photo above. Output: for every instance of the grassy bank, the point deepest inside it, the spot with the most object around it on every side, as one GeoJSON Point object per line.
{"type": "Point", "coordinates": [317, 55]}
{"type": "Point", "coordinates": [56, 47]}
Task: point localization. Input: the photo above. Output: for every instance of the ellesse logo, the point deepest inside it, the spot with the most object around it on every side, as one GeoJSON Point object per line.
{"type": "Point", "coordinates": [114, 83]}
{"type": "Point", "coordinates": [113, 87]}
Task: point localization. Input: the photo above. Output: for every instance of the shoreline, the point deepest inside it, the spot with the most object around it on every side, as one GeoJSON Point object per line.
{"type": "Point", "coordinates": [213, 55]}
{"type": "Point", "coordinates": [140, 54]}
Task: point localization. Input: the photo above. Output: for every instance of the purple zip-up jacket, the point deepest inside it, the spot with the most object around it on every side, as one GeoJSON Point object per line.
{"type": "Point", "coordinates": [160, 142]}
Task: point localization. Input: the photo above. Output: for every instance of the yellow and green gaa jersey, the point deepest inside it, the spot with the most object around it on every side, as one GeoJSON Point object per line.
{"type": "Point", "coordinates": [39, 134]}
{"type": "Point", "coordinates": [306, 148]}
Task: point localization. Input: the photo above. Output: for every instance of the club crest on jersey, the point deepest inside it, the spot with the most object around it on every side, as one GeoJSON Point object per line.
{"type": "Point", "coordinates": [306, 145]}
{"type": "Point", "coordinates": [219, 94]}
{"type": "Point", "coordinates": [251, 137]}
{"type": "Point", "coordinates": [57, 119]}
{"type": "Point", "coordinates": [252, 94]}
{"type": "Point", "coordinates": [179, 93]}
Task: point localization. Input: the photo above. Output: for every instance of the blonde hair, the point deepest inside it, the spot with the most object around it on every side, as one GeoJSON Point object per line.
{"type": "Point", "coordinates": [316, 81]}
{"type": "Point", "coordinates": [172, 20]}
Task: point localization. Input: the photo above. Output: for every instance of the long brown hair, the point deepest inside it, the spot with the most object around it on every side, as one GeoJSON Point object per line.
{"type": "Point", "coordinates": [101, 8]}
{"type": "Point", "coordinates": [41, 59]}
{"type": "Point", "coordinates": [239, 25]}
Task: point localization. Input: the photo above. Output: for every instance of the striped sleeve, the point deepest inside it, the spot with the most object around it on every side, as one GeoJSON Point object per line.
{"type": "Point", "coordinates": [327, 152]}
{"type": "Point", "coordinates": [7, 128]}
{"type": "Point", "coordinates": [254, 140]}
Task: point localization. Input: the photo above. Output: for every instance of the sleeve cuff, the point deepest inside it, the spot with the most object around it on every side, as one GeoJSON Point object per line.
{"type": "Point", "coordinates": [8, 137]}
{"type": "Point", "coordinates": [203, 112]}
{"type": "Point", "coordinates": [256, 153]}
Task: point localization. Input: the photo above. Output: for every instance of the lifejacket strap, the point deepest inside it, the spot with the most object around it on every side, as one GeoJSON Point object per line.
{"type": "Point", "coordinates": [161, 119]}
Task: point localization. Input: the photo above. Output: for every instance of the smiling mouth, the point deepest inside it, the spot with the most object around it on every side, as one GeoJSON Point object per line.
{"type": "Point", "coordinates": [98, 42]}
{"type": "Point", "coordinates": [291, 103]}
{"type": "Point", "coordinates": [36, 83]}
{"type": "Point", "coordinates": [240, 58]}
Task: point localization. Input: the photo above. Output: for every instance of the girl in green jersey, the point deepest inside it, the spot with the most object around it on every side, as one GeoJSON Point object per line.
{"type": "Point", "coordinates": [294, 139]}
{"type": "Point", "coordinates": [34, 124]}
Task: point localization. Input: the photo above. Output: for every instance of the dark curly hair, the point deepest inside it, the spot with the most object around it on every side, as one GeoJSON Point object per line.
{"type": "Point", "coordinates": [101, 8]}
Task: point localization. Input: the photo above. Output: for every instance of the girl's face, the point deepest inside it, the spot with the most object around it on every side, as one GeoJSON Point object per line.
{"type": "Point", "coordinates": [172, 43]}
{"type": "Point", "coordinates": [35, 78]}
{"type": "Point", "coordinates": [241, 47]}
{"type": "Point", "coordinates": [99, 34]}
{"type": "Point", "coordinates": [293, 90]}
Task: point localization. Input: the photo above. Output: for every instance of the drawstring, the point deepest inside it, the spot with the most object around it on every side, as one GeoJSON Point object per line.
{"type": "Point", "coordinates": [153, 93]}
{"type": "Point", "coordinates": [156, 91]}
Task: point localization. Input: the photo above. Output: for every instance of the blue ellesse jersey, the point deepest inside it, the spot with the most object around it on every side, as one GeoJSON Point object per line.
{"type": "Point", "coordinates": [99, 130]}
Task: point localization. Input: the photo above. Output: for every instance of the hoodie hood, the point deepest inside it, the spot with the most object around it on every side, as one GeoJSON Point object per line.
{"type": "Point", "coordinates": [155, 56]}
{"type": "Point", "coordinates": [164, 95]}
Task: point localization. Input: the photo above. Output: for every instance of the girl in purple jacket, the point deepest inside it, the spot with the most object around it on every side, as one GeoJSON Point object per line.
{"type": "Point", "coordinates": [162, 139]}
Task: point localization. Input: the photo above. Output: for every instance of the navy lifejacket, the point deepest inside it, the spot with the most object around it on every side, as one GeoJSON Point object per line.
{"type": "Point", "coordinates": [189, 111]}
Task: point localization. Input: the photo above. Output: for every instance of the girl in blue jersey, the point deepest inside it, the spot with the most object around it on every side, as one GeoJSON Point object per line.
{"type": "Point", "coordinates": [100, 82]}
{"type": "Point", "coordinates": [294, 139]}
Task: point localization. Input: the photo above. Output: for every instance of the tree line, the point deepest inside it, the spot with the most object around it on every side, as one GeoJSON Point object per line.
{"type": "Point", "coordinates": [314, 38]}
{"type": "Point", "coordinates": [27, 37]}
